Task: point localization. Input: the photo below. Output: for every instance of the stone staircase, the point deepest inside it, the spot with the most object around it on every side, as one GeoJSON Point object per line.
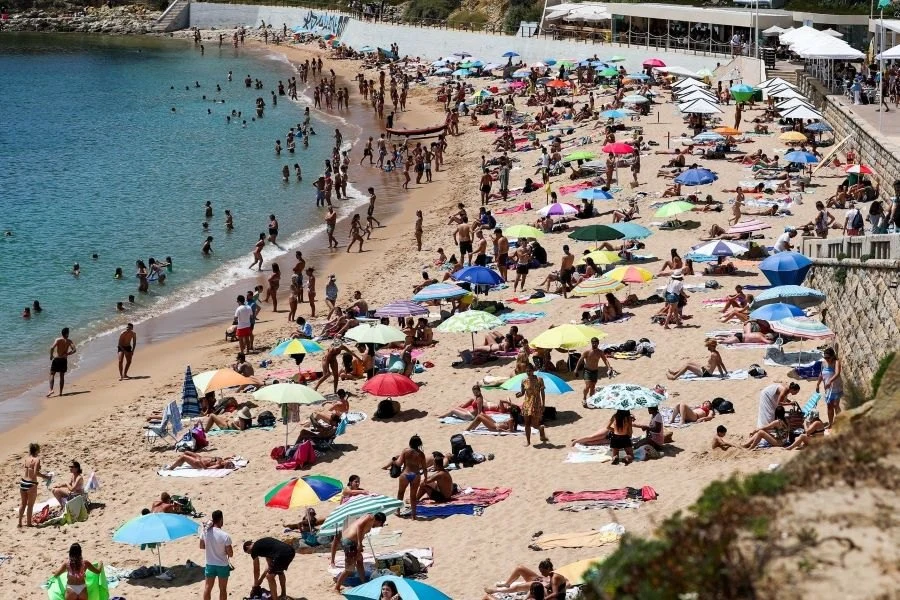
{"type": "Point", "coordinates": [175, 17]}
{"type": "Point", "coordinates": [785, 70]}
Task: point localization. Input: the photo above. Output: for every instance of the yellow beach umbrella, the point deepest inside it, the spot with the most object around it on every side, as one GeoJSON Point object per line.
{"type": "Point", "coordinates": [567, 336]}
{"type": "Point", "coordinates": [523, 231]}
{"type": "Point", "coordinates": [600, 257]}
{"type": "Point", "coordinates": [596, 286]}
{"type": "Point", "coordinates": [630, 274]}
{"type": "Point", "coordinates": [211, 381]}
{"type": "Point", "coordinates": [727, 130]}
{"type": "Point", "coordinates": [575, 572]}
{"type": "Point", "coordinates": [792, 136]}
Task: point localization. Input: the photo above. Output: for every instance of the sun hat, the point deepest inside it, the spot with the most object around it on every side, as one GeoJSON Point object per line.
{"type": "Point", "coordinates": [244, 413]}
{"type": "Point", "coordinates": [677, 274]}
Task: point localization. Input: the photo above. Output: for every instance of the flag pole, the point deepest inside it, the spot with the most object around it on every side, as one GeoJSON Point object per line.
{"type": "Point", "coordinates": [881, 67]}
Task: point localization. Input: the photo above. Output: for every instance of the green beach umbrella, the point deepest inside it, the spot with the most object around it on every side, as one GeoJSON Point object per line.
{"type": "Point", "coordinates": [672, 209]}
{"type": "Point", "coordinates": [566, 63]}
{"type": "Point", "coordinates": [615, 58]}
{"type": "Point", "coordinates": [596, 233]}
{"type": "Point", "coordinates": [470, 321]}
{"type": "Point", "coordinates": [579, 155]}
{"type": "Point", "coordinates": [610, 72]}
{"type": "Point", "coordinates": [359, 506]}
{"type": "Point", "coordinates": [288, 393]}
{"type": "Point", "coordinates": [624, 396]}
{"type": "Point", "coordinates": [523, 231]}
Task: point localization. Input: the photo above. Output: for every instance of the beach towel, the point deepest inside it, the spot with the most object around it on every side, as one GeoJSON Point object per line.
{"type": "Point", "coordinates": [747, 346]}
{"type": "Point", "coordinates": [585, 539]}
{"type": "Point", "coordinates": [645, 494]}
{"type": "Point", "coordinates": [667, 413]}
{"type": "Point", "coordinates": [514, 318]}
{"type": "Point", "coordinates": [639, 258]}
{"type": "Point", "coordinates": [809, 372]}
{"type": "Point", "coordinates": [602, 505]}
{"type": "Point", "coordinates": [480, 430]}
{"type": "Point", "coordinates": [186, 471]}
{"type": "Point", "coordinates": [580, 456]}
{"type": "Point", "coordinates": [736, 375]}
{"type": "Point", "coordinates": [808, 358]}
{"type": "Point", "coordinates": [448, 510]}
{"type": "Point", "coordinates": [467, 502]}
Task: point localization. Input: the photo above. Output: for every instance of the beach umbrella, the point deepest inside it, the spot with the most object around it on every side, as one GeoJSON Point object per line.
{"type": "Point", "coordinates": [358, 506]}
{"type": "Point", "coordinates": [776, 312]}
{"type": "Point", "coordinates": [579, 155]}
{"type": "Point", "coordinates": [557, 83]}
{"type": "Point", "coordinates": [219, 379]}
{"type": "Point", "coordinates": [595, 233]}
{"type": "Point", "coordinates": [401, 308]}
{"type": "Point", "coordinates": [594, 194]}
{"type": "Point", "coordinates": [705, 72]}
{"type": "Point", "coordinates": [616, 113]}
{"type": "Point", "coordinates": [600, 257]}
{"type": "Point", "coordinates": [156, 528]}
{"type": "Point", "coordinates": [797, 295]}
{"type": "Point", "coordinates": [801, 112]}
{"type": "Point", "coordinates": [521, 73]}
{"type": "Point", "coordinates": [719, 248]}
{"type": "Point", "coordinates": [540, 65]}
{"type": "Point", "coordinates": [672, 209]}
{"type": "Point", "coordinates": [367, 49]}
{"type": "Point", "coordinates": [303, 491]}
{"type": "Point", "coordinates": [296, 346]}
{"type": "Point", "coordinates": [288, 393]}
{"type": "Point", "coordinates": [786, 268]}
{"type": "Point", "coordinates": [388, 385]}
{"type": "Point", "coordinates": [478, 276]}
{"type": "Point", "coordinates": [802, 327]}
{"type": "Point", "coordinates": [635, 99]}
{"type": "Point", "coordinates": [806, 158]}
{"type": "Point", "coordinates": [491, 66]}
{"type": "Point", "coordinates": [442, 71]}
{"type": "Point", "coordinates": [439, 291]}
{"type": "Point", "coordinates": [567, 336]}
{"type": "Point", "coordinates": [566, 62]}
{"type": "Point", "coordinates": [523, 231]}
{"type": "Point", "coordinates": [618, 148]}
{"type": "Point", "coordinates": [727, 131]}
{"type": "Point", "coordinates": [653, 62]}
{"type": "Point", "coordinates": [190, 400]}
{"type": "Point", "coordinates": [699, 107]}
{"type": "Point", "coordinates": [408, 589]}
{"type": "Point", "coordinates": [610, 72]}
{"type": "Point", "coordinates": [439, 63]}
{"type": "Point", "coordinates": [470, 321]}
{"type": "Point", "coordinates": [558, 209]}
{"type": "Point", "coordinates": [689, 82]}
{"type": "Point", "coordinates": [550, 61]}
{"type": "Point", "coordinates": [709, 136]}
{"type": "Point", "coordinates": [819, 127]}
{"type": "Point", "coordinates": [696, 177]}
{"type": "Point", "coordinates": [632, 231]}
{"type": "Point", "coordinates": [597, 286]}
{"type": "Point", "coordinates": [748, 226]}
{"type": "Point", "coordinates": [630, 274]}
{"type": "Point", "coordinates": [509, 54]}
{"type": "Point", "coordinates": [375, 333]}
{"type": "Point", "coordinates": [638, 76]}
{"type": "Point", "coordinates": [859, 169]}
{"type": "Point", "coordinates": [461, 73]}
{"type": "Point", "coordinates": [792, 136]}
{"type": "Point", "coordinates": [742, 92]}
{"type": "Point", "coordinates": [552, 383]}
{"type": "Point", "coordinates": [624, 396]}
{"type": "Point", "coordinates": [616, 58]}
{"type": "Point", "coordinates": [575, 572]}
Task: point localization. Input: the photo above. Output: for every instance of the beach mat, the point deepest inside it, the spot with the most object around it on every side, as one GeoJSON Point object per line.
{"type": "Point", "coordinates": [737, 375]}
{"type": "Point", "coordinates": [589, 457]}
{"type": "Point", "coordinates": [446, 510]}
{"type": "Point", "coordinates": [582, 539]}
{"type": "Point", "coordinates": [644, 493]}
{"type": "Point", "coordinates": [470, 501]}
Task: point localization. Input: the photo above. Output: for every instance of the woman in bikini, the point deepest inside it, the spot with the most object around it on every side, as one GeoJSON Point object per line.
{"type": "Point", "coordinates": [243, 420]}
{"type": "Point", "coordinates": [75, 486]}
{"type": "Point", "coordinates": [698, 414]}
{"type": "Point", "coordinates": [31, 467]}
{"type": "Point", "coordinates": [620, 431]}
{"type": "Point", "coordinates": [465, 412]}
{"type": "Point", "coordinates": [75, 568]}
{"type": "Point", "coordinates": [411, 462]}
{"type": "Point", "coordinates": [673, 264]}
{"type": "Point", "coordinates": [776, 434]}
{"type": "Point", "coordinates": [196, 461]}
{"type": "Point", "coordinates": [713, 364]}
{"type": "Point", "coordinates": [274, 283]}
{"type": "Point", "coordinates": [257, 252]}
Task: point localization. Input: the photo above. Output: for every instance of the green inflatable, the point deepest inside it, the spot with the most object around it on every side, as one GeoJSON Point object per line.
{"type": "Point", "coordinates": [97, 586]}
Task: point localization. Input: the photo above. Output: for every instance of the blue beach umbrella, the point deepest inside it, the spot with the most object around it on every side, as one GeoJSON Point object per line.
{"type": "Point", "coordinates": [638, 76]}
{"type": "Point", "coordinates": [597, 63]}
{"type": "Point", "coordinates": [408, 589]}
{"type": "Point", "coordinates": [594, 194]}
{"type": "Point", "coordinates": [439, 63]}
{"type": "Point", "coordinates": [797, 295]}
{"type": "Point", "coordinates": [476, 64]}
{"type": "Point", "coordinates": [156, 528]}
{"type": "Point", "coordinates": [786, 268]}
{"type": "Point", "coordinates": [509, 54]}
{"type": "Point", "coordinates": [549, 61]}
{"type": "Point", "coordinates": [442, 71]}
{"type": "Point", "coordinates": [776, 312]}
{"type": "Point", "coordinates": [709, 136]}
{"type": "Point", "coordinates": [631, 231]}
{"type": "Point", "coordinates": [478, 276]}
{"type": "Point", "coordinates": [439, 291]}
{"type": "Point", "coordinates": [696, 177]}
{"type": "Point", "coordinates": [461, 72]}
{"type": "Point", "coordinates": [819, 127]}
{"type": "Point", "coordinates": [616, 113]}
{"type": "Point", "coordinates": [552, 383]}
{"type": "Point", "coordinates": [801, 157]}
{"type": "Point", "coordinates": [521, 74]}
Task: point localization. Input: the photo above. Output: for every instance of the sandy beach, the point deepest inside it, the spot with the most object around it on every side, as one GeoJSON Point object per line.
{"type": "Point", "coordinates": [100, 420]}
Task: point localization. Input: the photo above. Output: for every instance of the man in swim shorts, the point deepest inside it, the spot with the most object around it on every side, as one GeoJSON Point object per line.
{"type": "Point", "coordinates": [590, 360]}
{"type": "Point", "coordinates": [351, 541]}
{"type": "Point", "coordinates": [60, 352]}
{"type": "Point", "coordinates": [126, 347]}
{"type": "Point", "coordinates": [463, 237]}
{"type": "Point", "coordinates": [278, 557]}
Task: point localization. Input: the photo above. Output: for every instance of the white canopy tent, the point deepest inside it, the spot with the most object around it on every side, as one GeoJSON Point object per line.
{"type": "Point", "coordinates": [785, 93]}
{"type": "Point", "coordinates": [775, 83]}
{"type": "Point", "coordinates": [833, 33]}
{"type": "Point", "coordinates": [890, 54]}
{"type": "Point", "coordinates": [689, 82]}
{"type": "Point", "coordinates": [676, 70]}
{"type": "Point", "coordinates": [699, 107]}
{"type": "Point", "coordinates": [695, 94]}
{"type": "Point", "coordinates": [801, 112]}
{"type": "Point", "coordinates": [792, 103]}
{"type": "Point", "coordinates": [773, 31]}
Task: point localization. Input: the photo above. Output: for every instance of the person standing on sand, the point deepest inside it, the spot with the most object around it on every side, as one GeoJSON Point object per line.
{"type": "Point", "coordinates": [418, 230]}
{"type": "Point", "coordinates": [590, 361]}
{"type": "Point", "coordinates": [299, 268]}
{"type": "Point", "coordinates": [351, 539]}
{"type": "Point", "coordinates": [28, 484]}
{"type": "Point", "coordinates": [412, 464]}
{"type": "Point", "coordinates": [523, 258]}
{"type": "Point", "coordinates": [330, 224]}
{"type": "Point", "coordinates": [274, 283]}
{"type": "Point", "coordinates": [501, 251]}
{"type": "Point", "coordinates": [462, 236]}
{"type": "Point", "coordinates": [217, 545]}
{"type": "Point", "coordinates": [533, 404]}
{"type": "Point", "coordinates": [485, 187]}
{"type": "Point", "coordinates": [330, 364]}
{"type": "Point", "coordinates": [243, 314]}
{"type": "Point", "coordinates": [126, 347]}
{"type": "Point", "coordinates": [257, 251]}
{"type": "Point", "coordinates": [60, 352]}
{"type": "Point", "coordinates": [311, 290]}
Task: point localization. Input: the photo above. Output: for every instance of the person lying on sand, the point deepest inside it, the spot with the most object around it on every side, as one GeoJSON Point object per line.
{"type": "Point", "coordinates": [722, 267]}
{"type": "Point", "coordinates": [698, 414]}
{"type": "Point", "coordinates": [241, 421]}
{"type": "Point", "coordinates": [465, 412]}
{"type": "Point", "coordinates": [554, 584]}
{"type": "Point", "coordinates": [741, 313]}
{"type": "Point", "coordinates": [195, 461]}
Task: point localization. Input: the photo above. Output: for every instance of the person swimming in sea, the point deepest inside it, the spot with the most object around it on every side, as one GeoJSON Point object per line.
{"type": "Point", "coordinates": [207, 246]}
{"type": "Point", "coordinates": [76, 269]}
{"type": "Point", "coordinates": [118, 274]}
{"type": "Point", "coordinates": [36, 307]}
{"type": "Point", "coordinates": [208, 209]}
{"type": "Point", "coordinates": [229, 221]}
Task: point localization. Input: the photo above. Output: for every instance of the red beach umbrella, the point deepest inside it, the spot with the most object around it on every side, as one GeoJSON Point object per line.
{"type": "Point", "coordinates": [859, 169]}
{"type": "Point", "coordinates": [618, 148]}
{"type": "Point", "coordinates": [390, 385]}
{"type": "Point", "coordinates": [558, 83]}
{"type": "Point", "coordinates": [654, 62]}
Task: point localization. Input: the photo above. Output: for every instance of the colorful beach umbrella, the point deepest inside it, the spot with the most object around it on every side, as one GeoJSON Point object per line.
{"type": "Point", "coordinates": [358, 506]}
{"type": "Point", "coordinates": [303, 491]}
{"type": "Point", "coordinates": [567, 336]}
{"type": "Point", "coordinates": [859, 170]}
{"type": "Point", "coordinates": [388, 385]}
{"type": "Point", "coordinates": [552, 383]}
{"type": "Point", "coordinates": [624, 396]}
{"type": "Point", "coordinates": [470, 321]}
{"type": "Point", "coordinates": [594, 194]}
{"type": "Point", "coordinates": [439, 291]}
{"type": "Point", "coordinates": [600, 257]}
{"type": "Point", "coordinates": [595, 233]}
{"type": "Point", "coordinates": [748, 226]}
{"type": "Point", "coordinates": [557, 83]}
{"type": "Point", "coordinates": [672, 209]}
{"type": "Point", "coordinates": [558, 209]}
{"type": "Point", "coordinates": [401, 308]}
{"type": "Point", "coordinates": [296, 346]}
{"type": "Point", "coordinates": [631, 231]}
{"type": "Point", "coordinates": [375, 333]}
{"type": "Point", "coordinates": [797, 295]}
{"type": "Point", "coordinates": [802, 327]}
{"type": "Point", "coordinates": [523, 231]}
{"type": "Point", "coordinates": [696, 177]}
{"type": "Point", "coordinates": [786, 268]}
{"type": "Point", "coordinates": [776, 312]}
{"type": "Point", "coordinates": [618, 148]}
{"type": "Point", "coordinates": [804, 158]}
{"type": "Point", "coordinates": [742, 92]}
{"type": "Point", "coordinates": [653, 62]}
{"type": "Point", "coordinates": [727, 130]}
{"type": "Point", "coordinates": [630, 274]}
{"type": "Point", "coordinates": [579, 155]}
{"type": "Point", "coordinates": [719, 248]}
{"type": "Point", "coordinates": [407, 589]}
{"type": "Point", "coordinates": [478, 276]}
{"type": "Point", "coordinates": [597, 286]}
{"type": "Point", "coordinates": [219, 379]}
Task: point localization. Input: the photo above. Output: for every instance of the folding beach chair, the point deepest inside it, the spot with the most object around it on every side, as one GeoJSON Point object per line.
{"type": "Point", "coordinates": [171, 417]}
{"type": "Point", "coordinates": [811, 404]}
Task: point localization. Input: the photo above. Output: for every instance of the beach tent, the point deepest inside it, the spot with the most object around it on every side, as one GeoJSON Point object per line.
{"type": "Point", "coordinates": [775, 83]}
{"type": "Point", "coordinates": [801, 112]}
{"type": "Point", "coordinates": [689, 82]}
{"type": "Point", "coordinates": [772, 31]}
{"type": "Point", "coordinates": [891, 54]}
{"type": "Point", "coordinates": [699, 107]}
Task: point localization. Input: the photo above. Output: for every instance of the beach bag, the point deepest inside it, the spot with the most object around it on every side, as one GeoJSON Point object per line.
{"type": "Point", "coordinates": [411, 565]}
{"type": "Point", "coordinates": [385, 409]}
{"type": "Point", "coordinates": [857, 222]}
{"type": "Point", "coordinates": [266, 419]}
{"type": "Point", "coordinates": [395, 469]}
{"type": "Point", "coordinates": [186, 443]}
{"type": "Point", "coordinates": [722, 406]}
{"type": "Point", "coordinates": [199, 436]}
{"type": "Point", "coordinates": [457, 443]}
{"type": "Point", "coordinates": [794, 417]}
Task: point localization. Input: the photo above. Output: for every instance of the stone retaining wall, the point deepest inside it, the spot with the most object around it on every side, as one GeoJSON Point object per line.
{"type": "Point", "coordinates": [863, 309]}
{"type": "Point", "coordinates": [877, 152]}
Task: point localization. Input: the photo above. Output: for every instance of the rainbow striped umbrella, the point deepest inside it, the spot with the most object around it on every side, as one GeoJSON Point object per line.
{"type": "Point", "coordinates": [296, 346]}
{"type": "Point", "coordinates": [303, 491]}
{"type": "Point", "coordinates": [802, 327]}
{"type": "Point", "coordinates": [596, 286]}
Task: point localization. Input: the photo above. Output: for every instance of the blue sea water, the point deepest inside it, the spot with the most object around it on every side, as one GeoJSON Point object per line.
{"type": "Point", "coordinates": [93, 160]}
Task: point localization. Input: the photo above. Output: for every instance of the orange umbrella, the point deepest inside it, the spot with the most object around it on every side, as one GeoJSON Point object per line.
{"type": "Point", "coordinates": [211, 381]}
{"type": "Point", "coordinates": [558, 83]}
{"type": "Point", "coordinates": [727, 131]}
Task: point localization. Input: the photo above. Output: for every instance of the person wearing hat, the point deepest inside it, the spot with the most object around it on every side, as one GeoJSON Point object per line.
{"type": "Point", "coordinates": [783, 244]}
{"type": "Point", "coordinates": [75, 487]}
{"type": "Point", "coordinates": [242, 420]}
{"type": "Point", "coordinates": [673, 295]}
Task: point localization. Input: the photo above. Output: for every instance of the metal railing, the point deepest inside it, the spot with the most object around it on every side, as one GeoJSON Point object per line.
{"type": "Point", "coordinates": [876, 246]}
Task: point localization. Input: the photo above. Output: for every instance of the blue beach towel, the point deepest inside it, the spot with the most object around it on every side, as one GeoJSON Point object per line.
{"type": "Point", "coordinates": [446, 510]}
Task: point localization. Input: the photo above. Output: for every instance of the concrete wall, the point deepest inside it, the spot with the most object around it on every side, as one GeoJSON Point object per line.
{"type": "Point", "coordinates": [225, 16]}
{"type": "Point", "coordinates": [880, 246]}
{"type": "Point", "coordinates": [863, 309]}
{"type": "Point", "coordinates": [880, 154]}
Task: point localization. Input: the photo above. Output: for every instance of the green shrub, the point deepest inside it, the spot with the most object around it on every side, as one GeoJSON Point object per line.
{"type": "Point", "coordinates": [430, 9]}
{"type": "Point", "coordinates": [473, 18]}
{"type": "Point", "coordinates": [521, 11]}
{"type": "Point", "coordinates": [882, 369]}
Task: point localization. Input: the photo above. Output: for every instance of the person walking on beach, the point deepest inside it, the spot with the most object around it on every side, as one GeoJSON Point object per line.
{"type": "Point", "coordinates": [371, 212]}
{"type": "Point", "coordinates": [217, 545]}
{"type": "Point", "coordinates": [590, 361]}
{"type": "Point", "coordinates": [126, 347]}
{"type": "Point", "coordinates": [60, 352]}
{"type": "Point", "coordinates": [243, 314]}
{"type": "Point", "coordinates": [330, 224]}
{"type": "Point", "coordinates": [533, 404]}
{"type": "Point", "coordinates": [355, 234]}
{"type": "Point", "coordinates": [299, 268]}
{"type": "Point", "coordinates": [830, 377]}
{"type": "Point", "coordinates": [31, 467]}
{"type": "Point", "coordinates": [257, 251]}
{"type": "Point", "coordinates": [274, 283]}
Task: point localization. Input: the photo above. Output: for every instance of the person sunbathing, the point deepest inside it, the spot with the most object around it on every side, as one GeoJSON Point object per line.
{"type": "Point", "coordinates": [814, 426]}
{"type": "Point", "coordinates": [195, 461]}
{"type": "Point", "coordinates": [673, 264]}
{"type": "Point", "coordinates": [554, 583]}
{"type": "Point", "coordinates": [510, 425]}
{"type": "Point", "coordinates": [754, 332]}
{"type": "Point", "coordinates": [698, 414]}
{"type": "Point", "coordinates": [713, 364]}
{"type": "Point", "coordinates": [601, 438]}
{"type": "Point", "coordinates": [623, 216]}
{"type": "Point", "coordinates": [309, 523]}
{"type": "Point", "coordinates": [242, 420]}
{"type": "Point", "coordinates": [672, 191]}
{"type": "Point", "coordinates": [165, 504]}
{"type": "Point", "coordinates": [720, 268]}
{"type": "Point", "coordinates": [426, 281]}
{"type": "Point", "coordinates": [424, 334]}
{"type": "Point", "coordinates": [476, 403]}
{"type": "Point", "coordinates": [74, 487]}
{"type": "Point", "coordinates": [777, 433]}
{"type": "Point", "coordinates": [716, 232]}
{"type": "Point", "coordinates": [320, 429]}
{"type": "Point", "coordinates": [736, 300]}
{"type": "Point", "coordinates": [741, 313]}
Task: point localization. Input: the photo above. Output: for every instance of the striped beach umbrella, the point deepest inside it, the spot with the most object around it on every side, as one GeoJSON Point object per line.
{"type": "Point", "coordinates": [357, 507]}
{"type": "Point", "coordinates": [190, 402]}
{"type": "Point", "coordinates": [802, 327]}
{"type": "Point", "coordinates": [470, 321]}
{"type": "Point", "coordinates": [597, 286]}
{"type": "Point", "coordinates": [630, 274]}
{"type": "Point", "coordinates": [797, 295]}
{"type": "Point", "coordinates": [296, 346]}
{"type": "Point", "coordinates": [552, 383]}
{"type": "Point", "coordinates": [439, 291]}
{"type": "Point", "coordinates": [302, 492]}
{"type": "Point", "coordinates": [401, 308]}
{"type": "Point", "coordinates": [859, 169]}
{"type": "Point", "coordinates": [632, 231]}
{"type": "Point", "coordinates": [719, 248]}
{"type": "Point", "coordinates": [748, 226]}
{"type": "Point", "coordinates": [558, 209]}
{"type": "Point", "coordinates": [568, 336]}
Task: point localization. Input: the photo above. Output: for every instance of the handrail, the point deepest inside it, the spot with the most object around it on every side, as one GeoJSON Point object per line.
{"type": "Point", "coordinates": [169, 9]}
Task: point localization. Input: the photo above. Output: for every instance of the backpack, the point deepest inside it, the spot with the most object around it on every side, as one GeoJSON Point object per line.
{"type": "Point", "coordinates": [304, 454]}
{"type": "Point", "coordinates": [199, 436]}
{"type": "Point", "coordinates": [185, 506]}
{"type": "Point", "coordinates": [266, 419]}
{"type": "Point", "coordinates": [857, 221]}
{"type": "Point", "coordinates": [385, 409]}
{"type": "Point", "coordinates": [411, 565]}
{"type": "Point", "coordinates": [722, 406]}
